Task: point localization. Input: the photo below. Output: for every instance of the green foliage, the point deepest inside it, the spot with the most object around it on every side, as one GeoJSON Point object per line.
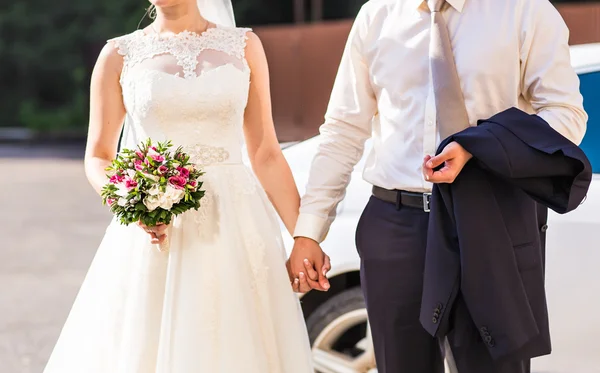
{"type": "Point", "coordinates": [48, 49]}
{"type": "Point", "coordinates": [151, 184]}
{"type": "Point", "coordinates": [46, 55]}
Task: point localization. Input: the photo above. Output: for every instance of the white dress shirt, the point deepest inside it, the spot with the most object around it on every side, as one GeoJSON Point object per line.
{"type": "Point", "coordinates": [508, 53]}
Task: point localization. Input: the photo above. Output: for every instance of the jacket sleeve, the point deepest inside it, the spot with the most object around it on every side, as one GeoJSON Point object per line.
{"type": "Point", "coordinates": [524, 150]}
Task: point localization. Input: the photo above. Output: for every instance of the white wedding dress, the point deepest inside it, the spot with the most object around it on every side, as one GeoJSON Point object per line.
{"type": "Point", "coordinates": [219, 301]}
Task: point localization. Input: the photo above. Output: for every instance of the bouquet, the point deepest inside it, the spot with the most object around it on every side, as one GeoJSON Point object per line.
{"type": "Point", "coordinates": [151, 184]}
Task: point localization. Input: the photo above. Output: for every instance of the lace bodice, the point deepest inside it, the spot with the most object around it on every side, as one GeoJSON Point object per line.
{"type": "Point", "coordinates": [189, 88]}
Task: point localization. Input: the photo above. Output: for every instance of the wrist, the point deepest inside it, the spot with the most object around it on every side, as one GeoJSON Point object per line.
{"type": "Point", "coordinates": [312, 227]}
{"type": "Point", "coordinates": [303, 240]}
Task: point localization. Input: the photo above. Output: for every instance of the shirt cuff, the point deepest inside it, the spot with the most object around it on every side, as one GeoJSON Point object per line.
{"type": "Point", "coordinates": [311, 226]}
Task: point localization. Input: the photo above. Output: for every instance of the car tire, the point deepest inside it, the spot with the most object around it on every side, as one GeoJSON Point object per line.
{"type": "Point", "coordinates": [342, 303]}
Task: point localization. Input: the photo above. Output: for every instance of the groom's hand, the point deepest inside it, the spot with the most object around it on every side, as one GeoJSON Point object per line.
{"type": "Point", "coordinates": [308, 266]}
{"type": "Point", "coordinates": [445, 167]}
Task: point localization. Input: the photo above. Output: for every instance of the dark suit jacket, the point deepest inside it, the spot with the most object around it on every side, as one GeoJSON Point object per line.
{"type": "Point", "coordinates": [485, 243]}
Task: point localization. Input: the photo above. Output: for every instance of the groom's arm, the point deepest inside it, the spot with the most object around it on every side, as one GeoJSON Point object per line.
{"type": "Point", "coordinates": [347, 126]}
{"type": "Point", "coordinates": [549, 82]}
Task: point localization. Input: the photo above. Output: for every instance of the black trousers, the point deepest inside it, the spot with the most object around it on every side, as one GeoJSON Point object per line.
{"type": "Point", "coordinates": [391, 243]}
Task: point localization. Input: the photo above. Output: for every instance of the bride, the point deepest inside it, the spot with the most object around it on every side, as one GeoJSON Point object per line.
{"type": "Point", "coordinates": [219, 300]}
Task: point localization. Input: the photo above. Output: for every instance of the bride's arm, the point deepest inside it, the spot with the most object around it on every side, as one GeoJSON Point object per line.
{"type": "Point", "coordinates": [264, 151]}
{"type": "Point", "coordinates": [107, 113]}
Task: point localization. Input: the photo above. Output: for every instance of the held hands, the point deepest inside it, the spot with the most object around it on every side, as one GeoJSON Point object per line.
{"type": "Point", "coordinates": [308, 266]}
{"type": "Point", "coordinates": [452, 159]}
{"type": "Point", "coordinates": [158, 234]}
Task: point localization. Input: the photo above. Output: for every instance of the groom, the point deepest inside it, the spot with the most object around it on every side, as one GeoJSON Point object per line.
{"type": "Point", "coordinates": [470, 59]}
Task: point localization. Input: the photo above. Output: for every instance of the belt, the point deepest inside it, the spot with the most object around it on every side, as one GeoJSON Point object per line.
{"type": "Point", "coordinates": [403, 198]}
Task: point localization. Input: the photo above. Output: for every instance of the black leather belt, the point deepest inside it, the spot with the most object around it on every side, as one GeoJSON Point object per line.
{"type": "Point", "coordinates": [403, 198]}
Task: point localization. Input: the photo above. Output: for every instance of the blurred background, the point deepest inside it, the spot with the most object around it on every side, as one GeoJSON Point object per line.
{"type": "Point", "coordinates": [47, 52]}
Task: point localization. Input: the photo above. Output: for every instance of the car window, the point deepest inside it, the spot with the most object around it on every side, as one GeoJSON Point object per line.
{"type": "Point", "coordinates": [591, 101]}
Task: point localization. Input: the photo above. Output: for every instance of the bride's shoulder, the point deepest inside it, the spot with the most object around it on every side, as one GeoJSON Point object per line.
{"type": "Point", "coordinates": [254, 51]}
{"type": "Point", "coordinates": [122, 44]}
{"type": "Point", "coordinates": [234, 40]}
{"type": "Point", "coordinates": [114, 54]}
{"type": "Point", "coordinates": [252, 41]}
{"type": "Point", "coordinates": [232, 33]}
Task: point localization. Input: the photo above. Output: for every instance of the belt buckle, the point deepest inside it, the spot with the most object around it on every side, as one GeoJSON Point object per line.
{"type": "Point", "coordinates": [426, 202]}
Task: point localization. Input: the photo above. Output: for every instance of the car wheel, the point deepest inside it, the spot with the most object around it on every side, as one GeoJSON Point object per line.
{"type": "Point", "coordinates": [340, 335]}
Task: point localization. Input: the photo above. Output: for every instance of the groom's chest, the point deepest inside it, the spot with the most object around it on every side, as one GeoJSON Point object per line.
{"type": "Point", "coordinates": [485, 44]}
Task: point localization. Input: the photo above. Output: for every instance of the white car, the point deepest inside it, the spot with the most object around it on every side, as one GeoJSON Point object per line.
{"type": "Point", "coordinates": [337, 320]}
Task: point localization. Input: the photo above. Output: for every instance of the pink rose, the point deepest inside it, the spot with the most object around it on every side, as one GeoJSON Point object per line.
{"type": "Point", "coordinates": [183, 172]}
{"type": "Point", "coordinates": [192, 184]}
{"type": "Point", "coordinates": [178, 182]}
{"type": "Point", "coordinates": [156, 158]}
{"type": "Point", "coordinates": [116, 179]}
{"type": "Point", "coordinates": [138, 165]}
{"type": "Point", "coordinates": [139, 154]}
{"type": "Point", "coordinates": [163, 169]}
{"type": "Point", "coordinates": [110, 201]}
{"type": "Point", "coordinates": [130, 183]}
{"type": "Point", "coordinates": [154, 148]}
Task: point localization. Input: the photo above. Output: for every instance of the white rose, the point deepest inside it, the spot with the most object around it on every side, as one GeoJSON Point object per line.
{"type": "Point", "coordinates": [166, 203]}
{"type": "Point", "coordinates": [170, 197]}
{"type": "Point", "coordinates": [122, 190]}
{"type": "Point", "coordinates": [152, 202]}
{"type": "Point", "coordinates": [154, 191]}
{"type": "Point", "coordinates": [122, 202]}
{"type": "Point", "coordinates": [130, 173]}
{"type": "Point", "coordinates": [174, 194]}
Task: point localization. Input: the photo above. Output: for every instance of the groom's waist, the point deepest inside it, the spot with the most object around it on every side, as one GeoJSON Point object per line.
{"type": "Point", "coordinates": [403, 198]}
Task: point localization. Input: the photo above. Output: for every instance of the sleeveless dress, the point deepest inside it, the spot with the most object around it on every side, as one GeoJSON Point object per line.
{"type": "Point", "coordinates": [219, 301]}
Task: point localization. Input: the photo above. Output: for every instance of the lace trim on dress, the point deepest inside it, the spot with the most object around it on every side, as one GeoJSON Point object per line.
{"type": "Point", "coordinates": [185, 46]}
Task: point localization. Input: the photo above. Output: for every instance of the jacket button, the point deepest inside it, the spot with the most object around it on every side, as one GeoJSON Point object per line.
{"type": "Point", "coordinates": [439, 306]}
{"type": "Point", "coordinates": [544, 228]}
{"type": "Point", "coordinates": [434, 320]}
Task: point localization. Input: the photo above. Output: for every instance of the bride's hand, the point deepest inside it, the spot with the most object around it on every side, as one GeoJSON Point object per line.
{"type": "Point", "coordinates": [158, 234]}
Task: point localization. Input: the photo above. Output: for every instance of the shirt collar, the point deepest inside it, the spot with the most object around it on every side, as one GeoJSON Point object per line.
{"type": "Point", "coordinates": [456, 4]}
